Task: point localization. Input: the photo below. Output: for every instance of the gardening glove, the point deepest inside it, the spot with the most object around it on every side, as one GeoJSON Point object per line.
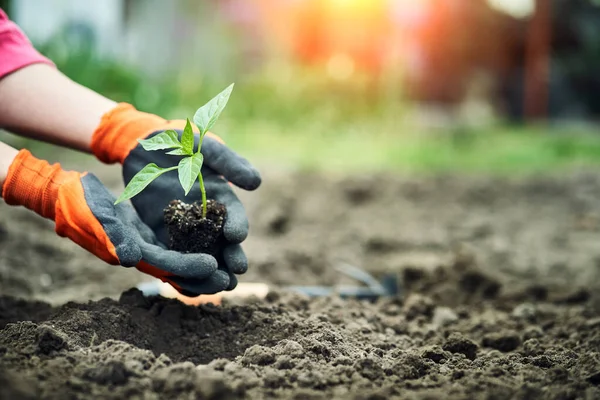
{"type": "Point", "coordinates": [116, 140]}
{"type": "Point", "coordinates": [84, 211]}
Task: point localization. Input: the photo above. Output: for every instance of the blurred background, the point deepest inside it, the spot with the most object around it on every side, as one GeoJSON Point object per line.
{"type": "Point", "coordinates": [349, 85]}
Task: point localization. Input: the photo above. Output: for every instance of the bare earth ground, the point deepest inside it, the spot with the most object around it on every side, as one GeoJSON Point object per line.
{"type": "Point", "coordinates": [500, 300]}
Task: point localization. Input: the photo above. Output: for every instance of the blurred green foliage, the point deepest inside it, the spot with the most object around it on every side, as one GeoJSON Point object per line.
{"type": "Point", "coordinates": [5, 4]}
{"type": "Point", "coordinates": [364, 148]}
{"type": "Point", "coordinates": [109, 77]}
{"type": "Point", "coordinates": [287, 117]}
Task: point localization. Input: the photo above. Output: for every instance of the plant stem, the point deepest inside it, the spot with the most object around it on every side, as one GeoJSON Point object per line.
{"type": "Point", "coordinates": [200, 141]}
{"type": "Point", "coordinates": [200, 179]}
{"type": "Point", "coordinates": [203, 190]}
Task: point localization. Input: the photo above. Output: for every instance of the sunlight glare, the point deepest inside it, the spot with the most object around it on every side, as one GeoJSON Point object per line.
{"type": "Point", "coordinates": [514, 8]}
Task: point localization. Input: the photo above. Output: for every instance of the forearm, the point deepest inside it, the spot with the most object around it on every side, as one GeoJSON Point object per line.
{"type": "Point", "coordinates": [7, 155]}
{"type": "Point", "coordinates": [40, 102]}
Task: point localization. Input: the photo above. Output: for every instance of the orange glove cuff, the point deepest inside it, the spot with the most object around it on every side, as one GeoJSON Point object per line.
{"type": "Point", "coordinates": [34, 184]}
{"type": "Point", "coordinates": [120, 129]}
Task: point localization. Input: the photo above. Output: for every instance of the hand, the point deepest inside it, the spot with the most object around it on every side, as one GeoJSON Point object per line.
{"type": "Point", "coordinates": [84, 211]}
{"type": "Point", "coordinates": [221, 166]}
{"type": "Point", "coordinates": [116, 141]}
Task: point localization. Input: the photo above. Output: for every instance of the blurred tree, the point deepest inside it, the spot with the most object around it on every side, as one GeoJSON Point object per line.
{"type": "Point", "coordinates": [573, 80]}
{"type": "Point", "coordinates": [537, 61]}
{"type": "Point", "coordinates": [460, 39]}
{"type": "Point", "coordinates": [463, 38]}
{"type": "Point", "coordinates": [5, 5]}
{"type": "Point", "coordinates": [576, 54]}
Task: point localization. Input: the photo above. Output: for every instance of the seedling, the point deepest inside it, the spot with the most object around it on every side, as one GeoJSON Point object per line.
{"type": "Point", "coordinates": [190, 167]}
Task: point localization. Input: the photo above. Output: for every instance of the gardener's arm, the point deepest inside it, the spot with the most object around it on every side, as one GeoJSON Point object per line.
{"type": "Point", "coordinates": [38, 101]}
{"type": "Point", "coordinates": [7, 156]}
{"type": "Point", "coordinates": [83, 210]}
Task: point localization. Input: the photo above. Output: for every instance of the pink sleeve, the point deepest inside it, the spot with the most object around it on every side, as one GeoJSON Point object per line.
{"type": "Point", "coordinates": [16, 50]}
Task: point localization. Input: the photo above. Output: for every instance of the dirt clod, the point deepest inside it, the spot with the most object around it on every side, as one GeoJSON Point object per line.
{"type": "Point", "coordinates": [189, 232]}
{"type": "Point", "coordinates": [503, 341]}
{"type": "Point", "coordinates": [418, 305]}
{"type": "Point", "coordinates": [525, 311]}
{"type": "Point", "coordinates": [497, 300]}
{"type": "Point", "coordinates": [111, 372]}
{"type": "Point", "coordinates": [457, 343]}
{"type": "Point", "coordinates": [443, 316]}
{"type": "Point", "coordinates": [436, 354]}
{"type": "Point", "coordinates": [258, 355]}
{"type": "Point", "coordinates": [49, 340]}
{"type": "Point", "coordinates": [594, 379]}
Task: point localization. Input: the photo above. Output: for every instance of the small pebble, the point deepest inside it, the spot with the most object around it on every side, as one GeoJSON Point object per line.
{"type": "Point", "coordinates": [503, 341]}
{"type": "Point", "coordinates": [457, 343]}
{"type": "Point", "coordinates": [418, 305]}
{"type": "Point", "coordinates": [533, 332]}
{"type": "Point", "coordinates": [443, 316]}
{"type": "Point", "coordinates": [525, 311]}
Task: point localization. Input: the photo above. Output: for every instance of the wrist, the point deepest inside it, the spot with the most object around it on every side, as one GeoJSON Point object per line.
{"type": "Point", "coordinates": [121, 128]}
{"type": "Point", "coordinates": [40, 102]}
{"type": "Point", "coordinates": [7, 156]}
{"type": "Point", "coordinates": [34, 183]}
{"type": "Point", "coordinates": [119, 131]}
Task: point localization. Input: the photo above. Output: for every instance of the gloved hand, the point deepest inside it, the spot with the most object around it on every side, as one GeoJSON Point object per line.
{"type": "Point", "coordinates": [116, 140]}
{"type": "Point", "coordinates": [84, 211]}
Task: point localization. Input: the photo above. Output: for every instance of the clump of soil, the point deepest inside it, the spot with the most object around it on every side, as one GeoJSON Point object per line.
{"type": "Point", "coordinates": [291, 347]}
{"type": "Point", "coordinates": [189, 232]}
{"type": "Point", "coordinates": [499, 300]}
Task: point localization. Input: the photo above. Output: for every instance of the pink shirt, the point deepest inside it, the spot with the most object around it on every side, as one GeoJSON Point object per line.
{"type": "Point", "coordinates": [16, 50]}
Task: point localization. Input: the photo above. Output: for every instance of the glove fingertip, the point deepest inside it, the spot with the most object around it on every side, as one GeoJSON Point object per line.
{"type": "Point", "coordinates": [249, 180]}
{"type": "Point", "coordinates": [221, 280]}
{"type": "Point", "coordinates": [233, 282]}
{"type": "Point", "coordinates": [210, 262]}
{"type": "Point", "coordinates": [128, 252]}
{"type": "Point", "coordinates": [200, 266]}
{"type": "Point", "coordinates": [234, 234]}
{"type": "Point", "coordinates": [233, 167]}
{"type": "Point", "coordinates": [217, 282]}
{"type": "Point", "coordinates": [256, 180]}
{"type": "Point", "coordinates": [235, 259]}
{"type": "Point", "coordinates": [188, 293]}
{"type": "Point", "coordinates": [236, 226]}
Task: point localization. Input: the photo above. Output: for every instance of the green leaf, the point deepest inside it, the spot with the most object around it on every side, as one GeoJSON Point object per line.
{"type": "Point", "coordinates": [207, 115]}
{"type": "Point", "coordinates": [177, 152]}
{"type": "Point", "coordinates": [165, 140]}
{"type": "Point", "coordinates": [189, 169]}
{"type": "Point", "coordinates": [187, 138]}
{"type": "Point", "coordinates": [142, 179]}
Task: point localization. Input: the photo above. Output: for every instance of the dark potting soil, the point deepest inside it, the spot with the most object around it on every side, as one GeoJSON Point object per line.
{"type": "Point", "coordinates": [189, 232]}
{"type": "Point", "coordinates": [500, 299]}
{"type": "Point", "coordinates": [291, 347]}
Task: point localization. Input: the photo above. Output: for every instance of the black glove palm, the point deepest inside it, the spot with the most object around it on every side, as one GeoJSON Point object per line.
{"type": "Point", "coordinates": [221, 166]}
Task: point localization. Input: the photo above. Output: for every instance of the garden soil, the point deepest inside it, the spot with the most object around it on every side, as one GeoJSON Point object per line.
{"type": "Point", "coordinates": [498, 299]}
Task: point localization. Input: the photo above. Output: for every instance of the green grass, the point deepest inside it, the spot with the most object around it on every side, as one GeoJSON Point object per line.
{"type": "Point", "coordinates": [318, 147]}
{"type": "Point", "coordinates": [507, 150]}
{"type": "Point", "coordinates": [295, 119]}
